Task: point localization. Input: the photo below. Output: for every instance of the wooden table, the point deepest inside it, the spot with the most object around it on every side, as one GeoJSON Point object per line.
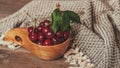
{"type": "Point", "coordinates": [8, 7]}
{"type": "Point", "coordinates": [22, 58]}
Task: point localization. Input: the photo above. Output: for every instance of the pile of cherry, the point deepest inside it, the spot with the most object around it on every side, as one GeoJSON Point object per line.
{"type": "Point", "coordinates": [44, 35]}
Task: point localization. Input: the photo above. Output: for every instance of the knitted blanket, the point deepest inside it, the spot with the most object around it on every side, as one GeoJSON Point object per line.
{"type": "Point", "coordinates": [98, 36]}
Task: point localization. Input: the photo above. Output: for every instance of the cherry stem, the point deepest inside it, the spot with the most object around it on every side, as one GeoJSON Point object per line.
{"type": "Point", "coordinates": [34, 20]}
{"type": "Point", "coordinates": [29, 16]}
{"type": "Point", "coordinates": [58, 6]}
{"type": "Point", "coordinates": [33, 31]}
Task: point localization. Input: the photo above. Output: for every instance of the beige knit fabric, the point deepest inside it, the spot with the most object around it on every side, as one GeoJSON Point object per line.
{"type": "Point", "coordinates": [98, 36]}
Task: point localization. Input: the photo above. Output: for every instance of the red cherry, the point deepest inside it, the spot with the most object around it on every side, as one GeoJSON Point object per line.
{"type": "Point", "coordinates": [47, 42]}
{"type": "Point", "coordinates": [49, 34]}
{"type": "Point", "coordinates": [55, 40]}
{"type": "Point", "coordinates": [33, 37]}
{"type": "Point", "coordinates": [39, 28]}
{"type": "Point", "coordinates": [46, 29]}
{"type": "Point", "coordinates": [59, 34]}
{"type": "Point", "coordinates": [41, 37]}
{"type": "Point", "coordinates": [42, 24]}
{"type": "Point", "coordinates": [61, 40]}
{"type": "Point", "coordinates": [39, 43]}
{"type": "Point", "coordinates": [35, 30]}
{"type": "Point", "coordinates": [30, 29]}
{"type": "Point", "coordinates": [66, 34]}
{"type": "Point", "coordinates": [46, 22]}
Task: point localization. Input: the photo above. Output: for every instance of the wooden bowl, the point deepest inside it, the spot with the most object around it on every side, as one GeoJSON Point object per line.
{"type": "Point", "coordinates": [20, 36]}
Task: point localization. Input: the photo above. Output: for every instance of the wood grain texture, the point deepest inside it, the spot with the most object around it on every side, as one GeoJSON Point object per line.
{"type": "Point", "coordinates": [15, 59]}
{"type": "Point", "coordinates": [8, 7]}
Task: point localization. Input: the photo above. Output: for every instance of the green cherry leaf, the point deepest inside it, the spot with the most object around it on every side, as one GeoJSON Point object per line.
{"type": "Point", "coordinates": [66, 22]}
{"type": "Point", "coordinates": [55, 27]}
{"type": "Point", "coordinates": [73, 16]}
{"type": "Point", "coordinates": [56, 20]}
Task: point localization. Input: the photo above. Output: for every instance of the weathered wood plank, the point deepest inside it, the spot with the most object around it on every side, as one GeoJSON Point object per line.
{"type": "Point", "coordinates": [15, 59]}
{"type": "Point", "coordinates": [8, 7]}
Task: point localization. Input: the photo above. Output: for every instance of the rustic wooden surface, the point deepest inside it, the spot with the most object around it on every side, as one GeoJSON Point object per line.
{"type": "Point", "coordinates": [22, 58]}
{"type": "Point", "coordinates": [17, 59]}
{"type": "Point", "coordinates": [8, 7]}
